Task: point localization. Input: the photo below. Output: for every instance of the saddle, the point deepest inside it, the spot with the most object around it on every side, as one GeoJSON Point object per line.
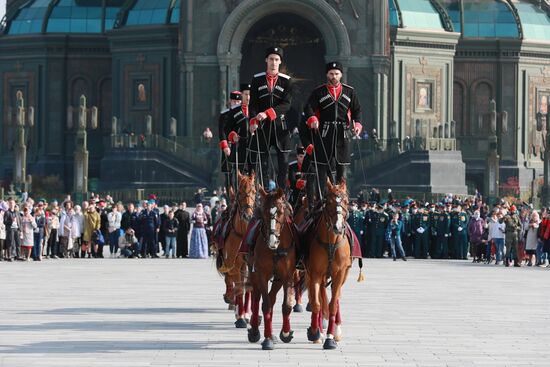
{"type": "Point", "coordinates": [221, 230]}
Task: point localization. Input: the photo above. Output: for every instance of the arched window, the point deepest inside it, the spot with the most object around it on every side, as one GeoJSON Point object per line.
{"type": "Point", "coordinates": [482, 96]}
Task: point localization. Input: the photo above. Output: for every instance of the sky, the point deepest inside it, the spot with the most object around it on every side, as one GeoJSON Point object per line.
{"type": "Point", "coordinates": [2, 8]}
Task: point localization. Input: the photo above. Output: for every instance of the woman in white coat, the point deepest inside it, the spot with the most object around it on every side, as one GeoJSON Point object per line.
{"type": "Point", "coordinates": [532, 239]}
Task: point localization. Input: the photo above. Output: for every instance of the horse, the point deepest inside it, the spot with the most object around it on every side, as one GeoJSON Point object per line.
{"type": "Point", "coordinates": [231, 262]}
{"type": "Point", "coordinates": [299, 274]}
{"type": "Point", "coordinates": [274, 256]}
{"type": "Point", "coordinates": [329, 259]}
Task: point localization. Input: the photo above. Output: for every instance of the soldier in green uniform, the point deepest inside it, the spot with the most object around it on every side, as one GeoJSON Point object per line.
{"type": "Point", "coordinates": [356, 220]}
{"type": "Point", "coordinates": [434, 218]}
{"type": "Point", "coordinates": [407, 229]}
{"type": "Point", "coordinates": [371, 216]}
{"type": "Point", "coordinates": [380, 225]}
{"type": "Point", "coordinates": [511, 238]}
{"type": "Point", "coordinates": [459, 225]}
{"type": "Point", "coordinates": [421, 226]}
{"type": "Point", "coordinates": [443, 233]}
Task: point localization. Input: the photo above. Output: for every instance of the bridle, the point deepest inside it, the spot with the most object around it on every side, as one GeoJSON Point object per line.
{"type": "Point", "coordinates": [338, 226]}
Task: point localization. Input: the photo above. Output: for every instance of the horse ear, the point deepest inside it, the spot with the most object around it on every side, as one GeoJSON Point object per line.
{"type": "Point", "coordinates": [262, 191]}
{"type": "Point", "coordinates": [329, 184]}
{"type": "Point", "coordinates": [342, 183]}
{"type": "Point", "coordinates": [231, 193]}
{"type": "Point", "coordinates": [280, 192]}
{"type": "Point", "coordinates": [239, 175]}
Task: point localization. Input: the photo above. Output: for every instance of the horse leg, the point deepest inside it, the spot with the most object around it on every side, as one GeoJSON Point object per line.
{"type": "Point", "coordinates": [239, 290]}
{"type": "Point", "coordinates": [337, 282]}
{"type": "Point", "coordinates": [228, 295]}
{"type": "Point", "coordinates": [338, 322]}
{"type": "Point", "coordinates": [267, 310]}
{"type": "Point", "coordinates": [313, 332]}
{"type": "Point", "coordinates": [298, 291]}
{"type": "Point", "coordinates": [254, 331]}
{"type": "Point", "coordinates": [287, 334]}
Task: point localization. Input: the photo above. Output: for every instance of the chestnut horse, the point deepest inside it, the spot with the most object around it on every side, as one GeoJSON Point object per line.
{"type": "Point", "coordinates": [274, 256]}
{"type": "Point", "coordinates": [299, 275]}
{"type": "Point", "coordinates": [233, 263]}
{"type": "Point", "coordinates": [329, 260]}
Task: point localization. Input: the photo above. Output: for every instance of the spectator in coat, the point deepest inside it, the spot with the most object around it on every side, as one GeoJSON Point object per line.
{"type": "Point", "coordinates": [171, 231]}
{"type": "Point", "coordinates": [475, 233]}
{"type": "Point", "coordinates": [184, 220]}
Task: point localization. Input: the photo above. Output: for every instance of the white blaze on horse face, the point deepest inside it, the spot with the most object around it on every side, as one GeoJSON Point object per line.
{"type": "Point", "coordinates": [273, 240]}
{"type": "Point", "coordinates": [339, 216]}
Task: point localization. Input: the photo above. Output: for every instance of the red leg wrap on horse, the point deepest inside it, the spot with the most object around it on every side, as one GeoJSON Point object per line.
{"type": "Point", "coordinates": [240, 306]}
{"type": "Point", "coordinates": [255, 320]}
{"type": "Point", "coordinates": [268, 331]}
{"type": "Point", "coordinates": [320, 321]}
{"type": "Point", "coordinates": [286, 323]}
{"type": "Point", "coordinates": [331, 322]}
{"type": "Point", "coordinates": [314, 321]}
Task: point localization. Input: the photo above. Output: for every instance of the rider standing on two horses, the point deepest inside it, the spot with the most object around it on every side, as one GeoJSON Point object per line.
{"type": "Point", "coordinates": [233, 133]}
{"type": "Point", "coordinates": [332, 115]}
{"type": "Point", "coordinates": [270, 100]}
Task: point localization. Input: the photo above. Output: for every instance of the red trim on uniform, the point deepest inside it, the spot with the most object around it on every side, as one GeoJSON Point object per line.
{"type": "Point", "coordinates": [232, 137]}
{"type": "Point", "coordinates": [254, 121]}
{"type": "Point", "coordinates": [271, 80]}
{"type": "Point", "coordinates": [300, 184]}
{"type": "Point", "coordinates": [223, 144]}
{"type": "Point", "coordinates": [311, 120]}
{"type": "Point", "coordinates": [309, 149]}
{"type": "Point", "coordinates": [335, 92]}
{"type": "Point", "coordinates": [299, 167]}
{"type": "Point", "coordinates": [270, 112]}
{"type": "Point", "coordinates": [245, 109]}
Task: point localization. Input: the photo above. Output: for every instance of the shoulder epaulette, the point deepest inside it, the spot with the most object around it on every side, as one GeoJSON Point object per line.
{"type": "Point", "coordinates": [284, 75]}
{"type": "Point", "coordinates": [293, 162]}
{"type": "Point", "coordinates": [259, 74]}
{"type": "Point", "coordinates": [348, 86]}
{"type": "Point", "coordinates": [224, 111]}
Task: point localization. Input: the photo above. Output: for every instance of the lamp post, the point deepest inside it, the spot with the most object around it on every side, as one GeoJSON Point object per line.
{"type": "Point", "coordinates": [24, 119]}
{"type": "Point", "coordinates": [543, 121]}
{"type": "Point", "coordinates": [81, 146]}
{"type": "Point", "coordinates": [492, 177]}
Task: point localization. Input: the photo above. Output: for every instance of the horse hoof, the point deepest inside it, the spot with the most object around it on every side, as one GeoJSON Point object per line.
{"type": "Point", "coordinates": [330, 344]}
{"type": "Point", "coordinates": [308, 307]}
{"type": "Point", "coordinates": [267, 344]}
{"type": "Point", "coordinates": [298, 308]}
{"type": "Point", "coordinates": [226, 299]}
{"type": "Point", "coordinates": [240, 324]}
{"type": "Point", "coordinates": [253, 335]}
{"type": "Point", "coordinates": [274, 339]}
{"type": "Point", "coordinates": [286, 339]}
{"type": "Point", "coordinates": [231, 307]}
{"type": "Point", "coordinates": [313, 337]}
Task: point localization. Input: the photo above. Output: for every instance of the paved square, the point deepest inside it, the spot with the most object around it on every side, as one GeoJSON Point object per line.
{"type": "Point", "coordinates": [159, 312]}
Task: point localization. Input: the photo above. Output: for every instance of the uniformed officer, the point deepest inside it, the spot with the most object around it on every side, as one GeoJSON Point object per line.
{"type": "Point", "coordinates": [407, 228]}
{"type": "Point", "coordinates": [459, 225]}
{"type": "Point", "coordinates": [443, 233]}
{"type": "Point", "coordinates": [233, 133]}
{"type": "Point", "coordinates": [421, 226]}
{"type": "Point", "coordinates": [511, 237]}
{"type": "Point", "coordinates": [245, 92]}
{"type": "Point", "coordinates": [371, 216]}
{"type": "Point", "coordinates": [380, 225]}
{"type": "Point", "coordinates": [333, 116]}
{"type": "Point", "coordinates": [356, 220]}
{"type": "Point", "coordinates": [434, 217]}
{"type": "Point", "coordinates": [270, 100]}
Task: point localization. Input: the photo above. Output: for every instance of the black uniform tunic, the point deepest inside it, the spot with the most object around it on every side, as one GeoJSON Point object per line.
{"type": "Point", "coordinates": [230, 120]}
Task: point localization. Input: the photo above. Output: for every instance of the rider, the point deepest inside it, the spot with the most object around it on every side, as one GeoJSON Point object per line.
{"type": "Point", "coordinates": [333, 116]}
{"type": "Point", "coordinates": [233, 131]}
{"type": "Point", "coordinates": [270, 100]}
{"type": "Point", "coordinates": [296, 177]}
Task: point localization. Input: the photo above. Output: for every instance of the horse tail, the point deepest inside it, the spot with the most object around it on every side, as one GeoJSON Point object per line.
{"type": "Point", "coordinates": [361, 277]}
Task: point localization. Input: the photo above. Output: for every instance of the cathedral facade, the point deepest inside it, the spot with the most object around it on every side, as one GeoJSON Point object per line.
{"type": "Point", "coordinates": [164, 69]}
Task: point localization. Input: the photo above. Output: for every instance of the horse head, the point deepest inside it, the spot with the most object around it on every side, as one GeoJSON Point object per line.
{"type": "Point", "coordinates": [246, 197]}
{"type": "Point", "coordinates": [336, 205]}
{"type": "Point", "coordinates": [274, 207]}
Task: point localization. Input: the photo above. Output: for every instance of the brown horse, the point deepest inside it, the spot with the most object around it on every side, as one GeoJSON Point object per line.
{"type": "Point", "coordinates": [233, 263]}
{"type": "Point", "coordinates": [329, 259]}
{"type": "Point", "coordinates": [274, 257]}
{"type": "Point", "coordinates": [299, 275]}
